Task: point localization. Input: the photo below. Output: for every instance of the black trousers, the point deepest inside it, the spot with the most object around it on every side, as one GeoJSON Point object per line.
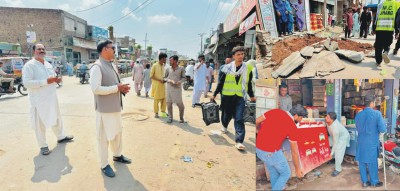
{"type": "Point", "coordinates": [364, 30]}
{"type": "Point", "coordinates": [382, 43]}
{"type": "Point", "coordinates": [397, 44]}
{"type": "Point", "coordinates": [347, 32]}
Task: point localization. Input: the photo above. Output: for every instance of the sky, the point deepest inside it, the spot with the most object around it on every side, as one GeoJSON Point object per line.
{"type": "Point", "coordinates": [171, 24]}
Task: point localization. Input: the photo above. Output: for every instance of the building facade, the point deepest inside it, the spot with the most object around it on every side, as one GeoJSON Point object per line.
{"type": "Point", "coordinates": [66, 36]}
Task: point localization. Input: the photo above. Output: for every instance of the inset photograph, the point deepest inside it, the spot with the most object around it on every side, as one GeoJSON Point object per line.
{"type": "Point", "coordinates": [327, 134]}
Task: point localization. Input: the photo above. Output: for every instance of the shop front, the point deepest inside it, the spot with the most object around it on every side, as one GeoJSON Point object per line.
{"type": "Point", "coordinates": [348, 99]}
{"type": "Point", "coordinates": [313, 149]}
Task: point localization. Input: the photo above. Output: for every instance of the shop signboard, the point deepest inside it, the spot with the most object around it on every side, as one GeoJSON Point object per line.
{"type": "Point", "coordinates": [338, 93]}
{"type": "Point", "coordinates": [99, 33]}
{"type": "Point", "coordinates": [249, 23]}
{"type": "Point", "coordinates": [268, 17]}
{"type": "Point", "coordinates": [17, 65]}
{"type": "Point", "coordinates": [84, 43]}
{"type": "Point", "coordinates": [238, 13]}
{"type": "Point", "coordinates": [249, 39]}
{"type": "Point", "coordinates": [30, 37]}
{"type": "Point", "coordinates": [329, 89]}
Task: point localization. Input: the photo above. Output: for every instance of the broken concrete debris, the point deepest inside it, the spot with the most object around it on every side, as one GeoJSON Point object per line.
{"type": "Point", "coordinates": [307, 51]}
{"type": "Point", "coordinates": [352, 56]}
{"type": "Point", "coordinates": [321, 65]}
{"type": "Point", "coordinates": [289, 64]}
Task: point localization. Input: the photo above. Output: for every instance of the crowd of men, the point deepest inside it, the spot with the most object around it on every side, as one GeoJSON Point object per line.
{"type": "Point", "coordinates": [165, 83]}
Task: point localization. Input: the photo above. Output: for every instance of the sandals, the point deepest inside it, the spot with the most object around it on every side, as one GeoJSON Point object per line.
{"type": "Point", "coordinates": [66, 139]}
{"type": "Point", "coordinates": [122, 159]}
{"type": "Point", "coordinates": [45, 150]}
{"type": "Point", "coordinates": [240, 146]}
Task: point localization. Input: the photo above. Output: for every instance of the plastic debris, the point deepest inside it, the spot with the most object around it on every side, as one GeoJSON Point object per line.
{"type": "Point", "coordinates": [187, 159]}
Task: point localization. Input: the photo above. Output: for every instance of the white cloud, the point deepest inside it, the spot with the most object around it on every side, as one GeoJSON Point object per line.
{"type": "Point", "coordinates": [131, 15]}
{"type": "Point", "coordinates": [227, 6]}
{"type": "Point", "coordinates": [85, 4]}
{"type": "Point", "coordinates": [164, 19]}
{"type": "Point", "coordinates": [14, 3]}
{"type": "Point", "coordinates": [65, 7]}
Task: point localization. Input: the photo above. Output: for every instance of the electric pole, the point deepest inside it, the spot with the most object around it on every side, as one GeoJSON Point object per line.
{"type": "Point", "coordinates": [201, 45]}
{"type": "Point", "coordinates": [145, 44]}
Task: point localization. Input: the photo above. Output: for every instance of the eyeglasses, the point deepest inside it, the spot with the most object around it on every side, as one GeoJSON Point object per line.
{"type": "Point", "coordinates": [113, 47]}
{"type": "Point", "coordinates": [41, 49]}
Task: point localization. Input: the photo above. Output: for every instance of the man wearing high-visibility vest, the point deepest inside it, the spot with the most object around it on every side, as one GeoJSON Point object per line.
{"type": "Point", "coordinates": [235, 84]}
{"type": "Point", "coordinates": [384, 29]}
{"type": "Point", "coordinates": [397, 33]}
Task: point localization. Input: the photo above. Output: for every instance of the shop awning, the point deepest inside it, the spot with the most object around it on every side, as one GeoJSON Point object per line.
{"type": "Point", "coordinates": [329, 2]}
{"type": "Point", "coordinates": [84, 43]}
{"type": "Point", "coordinates": [9, 46]}
{"type": "Point", "coordinates": [372, 6]}
{"type": "Point", "coordinates": [247, 24]}
{"type": "Point", "coordinates": [224, 37]}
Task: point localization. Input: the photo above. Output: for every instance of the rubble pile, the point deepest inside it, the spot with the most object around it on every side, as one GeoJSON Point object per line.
{"type": "Point", "coordinates": [283, 49]}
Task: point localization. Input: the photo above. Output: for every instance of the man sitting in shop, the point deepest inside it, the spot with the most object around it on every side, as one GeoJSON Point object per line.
{"type": "Point", "coordinates": [285, 101]}
{"type": "Point", "coordinates": [274, 127]}
{"type": "Point", "coordinates": [341, 139]}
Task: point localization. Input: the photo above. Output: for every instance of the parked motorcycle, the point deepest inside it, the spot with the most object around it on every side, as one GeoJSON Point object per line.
{"type": "Point", "coordinates": [188, 82]}
{"type": "Point", "coordinates": [20, 87]}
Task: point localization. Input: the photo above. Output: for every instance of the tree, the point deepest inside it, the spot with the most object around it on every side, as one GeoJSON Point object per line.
{"type": "Point", "coordinates": [138, 48]}
{"type": "Point", "coordinates": [149, 51]}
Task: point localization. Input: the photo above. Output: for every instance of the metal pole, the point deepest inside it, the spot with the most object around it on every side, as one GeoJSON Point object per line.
{"type": "Point", "coordinates": [383, 156]}
{"type": "Point", "coordinates": [253, 45]}
{"type": "Point", "coordinates": [201, 45]}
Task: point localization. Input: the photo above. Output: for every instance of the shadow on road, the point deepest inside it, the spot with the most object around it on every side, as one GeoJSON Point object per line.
{"type": "Point", "coordinates": [53, 166]}
{"type": "Point", "coordinates": [219, 140]}
{"type": "Point", "coordinates": [123, 179]}
{"type": "Point", "coordinates": [189, 128]}
{"type": "Point", "coordinates": [249, 147]}
{"type": "Point", "coordinates": [9, 97]}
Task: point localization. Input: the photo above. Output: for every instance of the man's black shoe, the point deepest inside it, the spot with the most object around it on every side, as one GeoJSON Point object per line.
{"type": "Point", "coordinates": [365, 185]}
{"type": "Point", "coordinates": [379, 184]}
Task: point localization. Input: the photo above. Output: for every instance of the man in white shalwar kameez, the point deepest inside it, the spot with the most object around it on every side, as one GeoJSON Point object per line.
{"type": "Point", "coordinates": [138, 77]}
{"type": "Point", "coordinates": [200, 80]}
{"type": "Point", "coordinates": [107, 89]}
{"type": "Point", "coordinates": [40, 79]}
{"type": "Point", "coordinates": [341, 140]}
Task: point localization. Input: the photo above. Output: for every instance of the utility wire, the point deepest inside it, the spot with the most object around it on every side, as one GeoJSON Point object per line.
{"type": "Point", "coordinates": [93, 7]}
{"type": "Point", "coordinates": [126, 15]}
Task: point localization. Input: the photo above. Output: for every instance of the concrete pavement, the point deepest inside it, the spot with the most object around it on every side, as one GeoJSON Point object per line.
{"type": "Point", "coordinates": [154, 146]}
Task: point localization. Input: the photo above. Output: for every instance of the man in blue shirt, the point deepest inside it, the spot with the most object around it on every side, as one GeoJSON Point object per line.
{"type": "Point", "coordinates": [369, 123]}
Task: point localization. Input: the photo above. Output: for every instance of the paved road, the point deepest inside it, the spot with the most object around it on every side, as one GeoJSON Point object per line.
{"type": "Point", "coordinates": [154, 146]}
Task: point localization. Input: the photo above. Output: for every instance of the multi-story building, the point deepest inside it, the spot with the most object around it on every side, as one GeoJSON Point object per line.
{"type": "Point", "coordinates": [65, 36]}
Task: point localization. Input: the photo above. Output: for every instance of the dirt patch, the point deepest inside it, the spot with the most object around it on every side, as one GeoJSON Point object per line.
{"type": "Point", "coordinates": [134, 116]}
{"type": "Point", "coordinates": [283, 49]}
{"type": "Point", "coordinates": [356, 46]}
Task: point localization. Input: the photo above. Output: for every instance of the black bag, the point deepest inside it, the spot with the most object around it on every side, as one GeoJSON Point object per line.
{"type": "Point", "coordinates": [210, 112]}
{"type": "Point", "coordinates": [250, 112]}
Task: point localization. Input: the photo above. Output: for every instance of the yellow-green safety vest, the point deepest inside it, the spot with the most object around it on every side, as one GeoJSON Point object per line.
{"type": "Point", "coordinates": [387, 15]}
{"type": "Point", "coordinates": [231, 87]}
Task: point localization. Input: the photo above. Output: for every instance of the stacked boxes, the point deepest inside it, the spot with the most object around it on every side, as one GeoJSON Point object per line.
{"type": "Point", "coordinates": [319, 94]}
{"type": "Point", "coordinates": [294, 88]}
{"type": "Point", "coordinates": [352, 97]}
{"type": "Point", "coordinates": [267, 97]}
